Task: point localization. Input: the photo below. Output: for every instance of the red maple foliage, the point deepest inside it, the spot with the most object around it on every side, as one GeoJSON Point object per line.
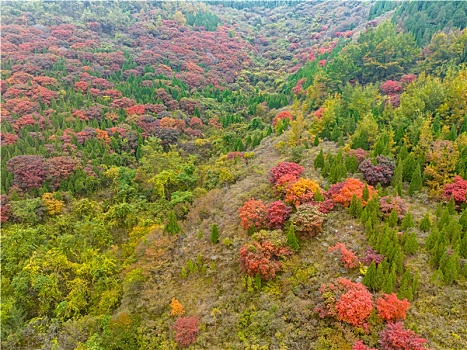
{"type": "Point", "coordinates": [381, 172]}
{"type": "Point", "coordinates": [457, 190]}
{"type": "Point", "coordinates": [195, 122]}
{"type": "Point", "coordinates": [186, 330]}
{"type": "Point", "coordinates": [60, 168]}
{"type": "Point", "coordinates": [359, 153]}
{"type": "Point", "coordinates": [278, 213]}
{"type": "Point", "coordinates": [262, 258]}
{"type": "Point", "coordinates": [371, 255]}
{"type": "Point", "coordinates": [360, 346]}
{"type": "Point", "coordinates": [347, 301]}
{"type": "Point", "coordinates": [81, 85]}
{"type": "Point", "coordinates": [254, 215]}
{"type": "Point", "coordinates": [136, 109]}
{"type": "Point", "coordinates": [28, 171]}
{"type": "Point", "coordinates": [387, 204]}
{"type": "Point", "coordinates": [348, 258]}
{"type": "Point", "coordinates": [280, 116]}
{"type": "Point", "coordinates": [391, 87]}
{"type": "Point", "coordinates": [354, 306]}
{"type": "Point", "coordinates": [351, 187]}
{"type": "Point", "coordinates": [391, 309]}
{"type": "Point", "coordinates": [285, 168]}
{"type": "Point", "coordinates": [396, 337]}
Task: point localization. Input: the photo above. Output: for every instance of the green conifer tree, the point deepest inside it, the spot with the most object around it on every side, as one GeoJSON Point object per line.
{"type": "Point", "coordinates": [397, 176]}
{"type": "Point", "coordinates": [444, 219]}
{"type": "Point", "coordinates": [292, 240]}
{"type": "Point", "coordinates": [451, 206]}
{"type": "Point", "coordinates": [370, 279]}
{"type": "Point", "coordinates": [214, 233]}
{"type": "Point", "coordinates": [409, 165]}
{"type": "Point", "coordinates": [351, 164]}
{"type": "Point", "coordinates": [411, 244]}
{"type": "Point", "coordinates": [405, 289]}
{"type": "Point", "coordinates": [463, 219]}
{"type": "Point", "coordinates": [425, 224]}
{"type": "Point", "coordinates": [407, 222]}
{"type": "Point", "coordinates": [366, 193]}
{"type": "Point", "coordinates": [319, 160]}
{"type": "Point", "coordinates": [316, 141]}
{"type": "Point", "coordinates": [172, 226]}
{"type": "Point", "coordinates": [451, 268]}
{"type": "Point", "coordinates": [393, 218]}
{"type": "Point", "coordinates": [416, 181]}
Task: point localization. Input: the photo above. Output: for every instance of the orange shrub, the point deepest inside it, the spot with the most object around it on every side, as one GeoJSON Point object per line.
{"type": "Point", "coordinates": [301, 191]}
{"type": "Point", "coordinates": [390, 308]}
{"type": "Point", "coordinates": [352, 187]}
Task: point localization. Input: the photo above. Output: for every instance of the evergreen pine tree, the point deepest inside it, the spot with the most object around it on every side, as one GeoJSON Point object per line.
{"type": "Point", "coordinates": [214, 234]}
{"type": "Point", "coordinates": [451, 206]}
{"type": "Point", "coordinates": [292, 240]}
{"type": "Point", "coordinates": [316, 141]}
{"type": "Point", "coordinates": [393, 218]}
{"type": "Point", "coordinates": [398, 189]}
{"type": "Point", "coordinates": [409, 165]}
{"type": "Point", "coordinates": [319, 160]}
{"type": "Point", "coordinates": [318, 197]}
{"type": "Point", "coordinates": [172, 226]}
{"type": "Point", "coordinates": [366, 193]}
{"type": "Point", "coordinates": [432, 239]}
{"type": "Point", "coordinates": [425, 224]}
{"type": "Point", "coordinates": [389, 282]}
{"type": "Point", "coordinates": [351, 164]}
{"type": "Point", "coordinates": [411, 244]}
{"type": "Point", "coordinates": [463, 247]}
{"type": "Point", "coordinates": [405, 289]}
{"type": "Point", "coordinates": [397, 176]}
{"type": "Point", "coordinates": [444, 219]}
{"type": "Point", "coordinates": [370, 279]}
{"type": "Point", "coordinates": [463, 220]}
{"type": "Point", "coordinates": [451, 268]}
{"type": "Point", "coordinates": [353, 206]}
{"type": "Point", "coordinates": [364, 216]}
{"type": "Point", "coordinates": [416, 181]}
{"type": "Point", "coordinates": [403, 152]}
{"type": "Point", "coordinates": [407, 222]}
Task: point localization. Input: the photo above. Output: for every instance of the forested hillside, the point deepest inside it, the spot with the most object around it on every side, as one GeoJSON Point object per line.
{"type": "Point", "coordinates": [233, 175]}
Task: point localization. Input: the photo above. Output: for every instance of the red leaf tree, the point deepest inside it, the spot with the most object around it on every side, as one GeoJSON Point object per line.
{"type": "Point", "coordinates": [254, 215]}
{"type": "Point", "coordinates": [360, 346]}
{"type": "Point", "coordinates": [263, 258]}
{"type": "Point", "coordinates": [28, 171]}
{"type": "Point", "coordinates": [349, 188]}
{"type": "Point", "coordinates": [186, 330]}
{"type": "Point", "coordinates": [396, 337]}
{"type": "Point", "coordinates": [391, 309]}
{"type": "Point", "coordinates": [457, 190]}
{"type": "Point", "coordinates": [278, 213]}
{"type": "Point", "coordinates": [348, 258]}
{"type": "Point", "coordinates": [285, 168]}
{"type": "Point", "coordinates": [280, 116]}
{"type": "Point", "coordinates": [387, 204]}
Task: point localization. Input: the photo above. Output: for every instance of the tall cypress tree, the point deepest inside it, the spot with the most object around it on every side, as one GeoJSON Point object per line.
{"type": "Point", "coordinates": [214, 234]}
{"type": "Point", "coordinates": [416, 181]}
{"type": "Point", "coordinates": [319, 160]}
{"type": "Point", "coordinates": [172, 226]}
{"type": "Point", "coordinates": [370, 279]}
{"type": "Point", "coordinates": [292, 240]}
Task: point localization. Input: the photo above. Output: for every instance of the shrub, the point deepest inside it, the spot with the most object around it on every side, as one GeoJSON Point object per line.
{"type": "Point", "coordinates": [348, 258]}
{"type": "Point", "coordinates": [285, 168]}
{"type": "Point", "coordinates": [308, 220]}
{"type": "Point", "coordinates": [186, 330]}
{"type": "Point", "coordinates": [360, 346]}
{"type": "Point", "coordinates": [278, 213]}
{"type": "Point", "coordinates": [348, 301]}
{"type": "Point", "coordinates": [176, 309]}
{"type": "Point", "coordinates": [349, 188]}
{"type": "Point", "coordinates": [396, 337]}
{"type": "Point", "coordinates": [254, 215]}
{"type": "Point", "coordinates": [457, 190]}
{"type": "Point", "coordinates": [381, 172]}
{"type": "Point", "coordinates": [301, 191]}
{"type": "Point", "coordinates": [387, 204]}
{"type": "Point", "coordinates": [371, 255]}
{"type": "Point", "coordinates": [262, 258]}
{"type": "Point", "coordinates": [281, 116]}
{"type": "Point", "coordinates": [391, 309]}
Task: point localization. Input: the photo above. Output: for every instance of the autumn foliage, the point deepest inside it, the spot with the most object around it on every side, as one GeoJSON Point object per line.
{"type": "Point", "coordinates": [457, 190]}
{"type": "Point", "coordinates": [347, 301]}
{"type": "Point", "coordinates": [254, 215]}
{"type": "Point", "coordinates": [282, 115]}
{"type": "Point", "coordinates": [301, 191]}
{"type": "Point", "coordinates": [278, 213]}
{"type": "Point", "coordinates": [387, 204]}
{"type": "Point", "coordinates": [176, 308]}
{"type": "Point", "coordinates": [186, 330]}
{"type": "Point", "coordinates": [308, 220]}
{"type": "Point", "coordinates": [285, 168]}
{"type": "Point", "coordinates": [349, 188]}
{"type": "Point", "coordinates": [348, 258]}
{"type": "Point", "coordinates": [263, 258]}
{"type": "Point", "coordinates": [391, 309]}
{"type": "Point", "coordinates": [396, 337]}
